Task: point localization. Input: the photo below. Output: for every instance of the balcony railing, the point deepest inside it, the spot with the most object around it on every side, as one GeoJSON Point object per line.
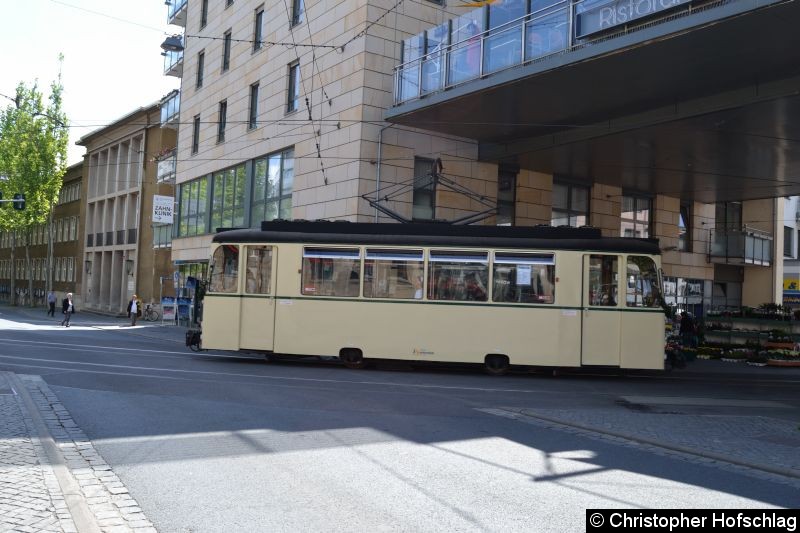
{"type": "Point", "coordinates": [165, 172]}
{"type": "Point", "coordinates": [176, 12]}
{"type": "Point", "coordinates": [747, 246]}
{"type": "Point", "coordinates": [464, 49]}
{"type": "Point", "coordinates": [170, 109]}
{"type": "Point", "coordinates": [173, 63]}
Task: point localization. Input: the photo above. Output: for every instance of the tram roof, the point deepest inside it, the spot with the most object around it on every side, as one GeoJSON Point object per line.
{"type": "Point", "coordinates": [342, 232]}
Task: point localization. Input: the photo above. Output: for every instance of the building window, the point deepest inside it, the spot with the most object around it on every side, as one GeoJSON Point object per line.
{"type": "Point", "coordinates": [221, 120]}
{"type": "Point", "coordinates": [570, 205]}
{"type": "Point", "coordinates": [258, 29]}
{"type": "Point", "coordinates": [293, 93]}
{"type": "Point", "coordinates": [788, 241]}
{"type": "Point", "coordinates": [226, 51]}
{"type": "Point", "coordinates": [203, 14]}
{"type": "Point", "coordinates": [196, 134]}
{"type": "Point", "coordinates": [298, 12]}
{"type": "Point", "coordinates": [424, 193]}
{"type": "Point", "coordinates": [506, 196]}
{"type": "Point", "coordinates": [273, 177]}
{"type": "Point", "coordinates": [635, 217]}
{"type": "Point", "coordinates": [193, 200]}
{"type": "Point", "coordinates": [201, 63]}
{"type": "Point", "coordinates": [227, 198]}
{"type": "Point", "coordinates": [684, 230]}
{"type": "Point", "coordinates": [728, 216]}
{"type": "Point", "coordinates": [253, 116]}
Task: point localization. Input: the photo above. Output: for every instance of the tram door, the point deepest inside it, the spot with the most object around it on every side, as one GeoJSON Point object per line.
{"type": "Point", "coordinates": [601, 317]}
{"type": "Point", "coordinates": [257, 323]}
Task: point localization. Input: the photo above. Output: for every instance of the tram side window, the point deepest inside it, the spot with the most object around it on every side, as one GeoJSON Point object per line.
{"type": "Point", "coordinates": [460, 276]}
{"type": "Point", "coordinates": [259, 269]}
{"type": "Point", "coordinates": [524, 278]}
{"type": "Point", "coordinates": [331, 272]}
{"type": "Point", "coordinates": [393, 274]}
{"type": "Point", "coordinates": [603, 280]}
{"type": "Point", "coordinates": [225, 273]}
{"type": "Point", "coordinates": [643, 286]}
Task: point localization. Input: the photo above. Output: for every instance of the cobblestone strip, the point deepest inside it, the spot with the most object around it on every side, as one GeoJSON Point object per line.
{"type": "Point", "coordinates": [528, 416]}
{"type": "Point", "coordinates": [115, 510]}
{"type": "Point", "coordinates": [30, 497]}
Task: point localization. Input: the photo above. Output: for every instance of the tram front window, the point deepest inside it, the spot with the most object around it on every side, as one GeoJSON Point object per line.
{"type": "Point", "coordinates": [225, 269]}
{"type": "Point", "coordinates": [642, 287]}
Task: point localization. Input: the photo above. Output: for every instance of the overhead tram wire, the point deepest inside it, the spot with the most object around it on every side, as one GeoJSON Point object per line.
{"type": "Point", "coordinates": [307, 96]}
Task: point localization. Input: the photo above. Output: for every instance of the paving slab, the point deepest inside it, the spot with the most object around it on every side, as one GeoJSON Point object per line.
{"type": "Point", "coordinates": [51, 477]}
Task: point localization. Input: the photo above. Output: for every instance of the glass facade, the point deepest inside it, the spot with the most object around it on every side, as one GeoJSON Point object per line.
{"type": "Point", "coordinates": [227, 200]}
{"type": "Point", "coordinates": [273, 177]}
{"type": "Point", "coordinates": [220, 200]}
{"type": "Point", "coordinates": [192, 208]}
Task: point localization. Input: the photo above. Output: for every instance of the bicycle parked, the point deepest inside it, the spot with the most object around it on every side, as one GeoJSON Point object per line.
{"type": "Point", "coordinates": [150, 313]}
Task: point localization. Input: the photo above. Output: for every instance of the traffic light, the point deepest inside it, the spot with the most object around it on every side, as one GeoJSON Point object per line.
{"type": "Point", "coordinates": [19, 201]}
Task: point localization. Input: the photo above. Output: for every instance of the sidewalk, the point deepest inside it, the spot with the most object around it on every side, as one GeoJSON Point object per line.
{"type": "Point", "coordinates": [154, 330]}
{"type": "Point", "coordinates": [51, 477]}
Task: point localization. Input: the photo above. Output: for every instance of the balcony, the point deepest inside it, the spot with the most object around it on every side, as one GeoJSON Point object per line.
{"type": "Point", "coordinates": [173, 63]}
{"type": "Point", "coordinates": [176, 12]}
{"type": "Point", "coordinates": [165, 172]}
{"type": "Point", "coordinates": [747, 246]}
{"type": "Point", "coordinates": [581, 61]}
{"type": "Point", "coordinates": [170, 110]}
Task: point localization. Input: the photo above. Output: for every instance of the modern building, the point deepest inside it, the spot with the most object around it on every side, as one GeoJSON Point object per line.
{"type": "Point", "coordinates": [124, 251]}
{"type": "Point", "coordinates": [661, 122]}
{"type": "Point", "coordinates": [67, 249]}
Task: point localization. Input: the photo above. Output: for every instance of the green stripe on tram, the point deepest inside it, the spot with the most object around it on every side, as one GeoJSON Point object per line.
{"type": "Point", "coordinates": [431, 302]}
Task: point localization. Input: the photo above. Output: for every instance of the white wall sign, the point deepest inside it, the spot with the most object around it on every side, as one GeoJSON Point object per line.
{"type": "Point", "coordinates": [162, 209]}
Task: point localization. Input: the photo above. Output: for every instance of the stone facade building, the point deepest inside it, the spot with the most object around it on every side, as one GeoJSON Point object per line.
{"type": "Point", "coordinates": [122, 256]}
{"type": "Point", "coordinates": [67, 249]}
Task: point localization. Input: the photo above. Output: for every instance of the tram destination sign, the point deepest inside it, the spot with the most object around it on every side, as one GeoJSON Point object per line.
{"type": "Point", "coordinates": [605, 15]}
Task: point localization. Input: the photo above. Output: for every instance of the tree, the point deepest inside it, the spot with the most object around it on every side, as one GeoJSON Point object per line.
{"type": "Point", "coordinates": [33, 160]}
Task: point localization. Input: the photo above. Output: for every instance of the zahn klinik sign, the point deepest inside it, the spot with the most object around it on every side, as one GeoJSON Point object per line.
{"type": "Point", "coordinates": [162, 209]}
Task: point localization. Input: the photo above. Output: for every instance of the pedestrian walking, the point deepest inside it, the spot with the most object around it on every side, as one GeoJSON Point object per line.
{"type": "Point", "coordinates": [134, 309]}
{"type": "Point", "coordinates": [67, 308]}
{"type": "Point", "coordinates": [51, 302]}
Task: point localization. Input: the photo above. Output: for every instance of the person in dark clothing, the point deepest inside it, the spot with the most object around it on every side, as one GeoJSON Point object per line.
{"type": "Point", "coordinates": [51, 303]}
{"type": "Point", "coordinates": [67, 308]}
{"type": "Point", "coordinates": [688, 330]}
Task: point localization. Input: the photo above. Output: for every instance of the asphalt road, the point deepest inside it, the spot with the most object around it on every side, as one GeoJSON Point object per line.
{"type": "Point", "coordinates": [220, 442]}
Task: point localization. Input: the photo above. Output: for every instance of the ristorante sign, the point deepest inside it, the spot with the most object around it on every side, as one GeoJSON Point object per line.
{"type": "Point", "coordinates": [605, 15]}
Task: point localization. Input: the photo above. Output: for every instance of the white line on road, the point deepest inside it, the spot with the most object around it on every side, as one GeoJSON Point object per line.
{"type": "Point", "coordinates": [275, 378]}
{"type": "Point", "coordinates": [61, 344]}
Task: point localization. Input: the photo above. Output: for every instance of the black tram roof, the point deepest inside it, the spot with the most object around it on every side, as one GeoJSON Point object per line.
{"type": "Point", "coordinates": [342, 232]}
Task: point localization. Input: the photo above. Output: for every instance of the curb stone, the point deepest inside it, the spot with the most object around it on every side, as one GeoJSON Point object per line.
{"type": "Point", "coordinates": [101, 489]}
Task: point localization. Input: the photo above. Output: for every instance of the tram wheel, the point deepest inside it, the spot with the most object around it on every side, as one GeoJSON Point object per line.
{"type": "Point", "coordinates": [352, 358]}
{"type": "Point", "coordinates": [496, 364]}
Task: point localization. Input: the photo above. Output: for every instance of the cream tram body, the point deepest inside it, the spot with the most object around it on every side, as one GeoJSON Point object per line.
{"type": "Point", "coordinates": [495, 296]}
